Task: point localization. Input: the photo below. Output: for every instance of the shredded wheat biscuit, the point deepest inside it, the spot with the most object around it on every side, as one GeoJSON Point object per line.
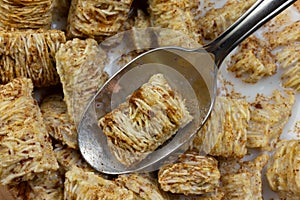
{"type": "Point", "coordinates": [168, 37]}
{"type": "Point", "coordinates": [192, 174]}
{"type": "Point", "coordinates": [283, 172]}
{"type": "Point", "coordinates": [279, 21]}
{"type": "Point", "coordinates": [291, 78]}
{"type": "Point", "coordinates": [24, 14]}
{"type": "Point", "coordinates": [253, 61]}
{"type": "Point", "coordinates": [233, 183]}
{"type": "Point", "coordinates": [80, 65]}
{"type": "Point", "coordinates": [46, 186]}
{"type": "Point", "coordinates": [225, 133]}
{"type": "Point", "coordinates": [289, 56]}
{"type": "Point", "coordinates": [175, 15]}
{"type": "Point", "coordinates": [289, 60]}
{"type": "Point", "coordinates": [149, 117]}
{"type": "Point", "coordinates": [18, 192]}
{"type": "Point", "coordinates": [268, 118]}
{"type": "Point", "coordinates": [96, 19]}
{"type": "Point", "coordinates": [30, 54]}
{"type": "Point", "coordinates": [288, 35]}
{"type": "Point", "coordinates": [58, 123]}
{"type": "Point", "coordinates": [25, 146]}
{"type": "Point", "coordinates": [142, 185]}
{"type": "Point", "coordinates": [218, 20]}
{"type": "Point", "coordinates": [246, 182]}
{"type": "Point", "coordinates": [68, 157]}
{"type": "Point", "coordinates": [80, 184]}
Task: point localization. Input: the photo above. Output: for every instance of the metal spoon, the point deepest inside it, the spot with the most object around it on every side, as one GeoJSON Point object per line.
{"type": "Point", "coordinates": [192, 72]}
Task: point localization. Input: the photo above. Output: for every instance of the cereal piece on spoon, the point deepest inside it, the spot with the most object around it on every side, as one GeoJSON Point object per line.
{"type": "Point", "coordinates": [149, 117]}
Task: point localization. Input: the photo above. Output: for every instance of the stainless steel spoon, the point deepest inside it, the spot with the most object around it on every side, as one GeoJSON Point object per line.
{"type": "Point", "coordinates": [192, 72]}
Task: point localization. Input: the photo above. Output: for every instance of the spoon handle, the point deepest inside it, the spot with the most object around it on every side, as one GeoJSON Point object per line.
{"type": "Point", "coordinates": [261, 12]}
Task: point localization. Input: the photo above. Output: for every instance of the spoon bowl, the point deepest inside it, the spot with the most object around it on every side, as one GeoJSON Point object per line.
{"type": "Point", "coordinates": [186, 76]}
{"type": "Point", "coordinates": [190, 72]}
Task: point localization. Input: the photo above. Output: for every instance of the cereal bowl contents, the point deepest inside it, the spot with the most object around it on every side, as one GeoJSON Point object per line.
{"type": "Point", "coordinates": [255, 120]}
